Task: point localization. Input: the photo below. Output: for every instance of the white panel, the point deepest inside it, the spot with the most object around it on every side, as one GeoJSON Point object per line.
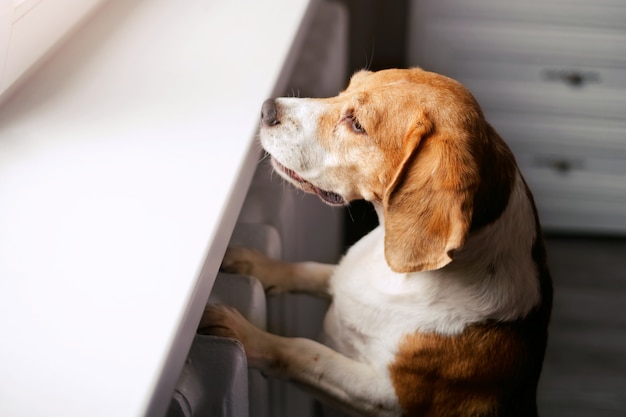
{"type": "Point", "coordinates": [35, 27]}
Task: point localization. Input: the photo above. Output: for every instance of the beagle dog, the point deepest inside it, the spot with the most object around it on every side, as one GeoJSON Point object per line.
{"type": "Point", "coordinates": [443, 309]}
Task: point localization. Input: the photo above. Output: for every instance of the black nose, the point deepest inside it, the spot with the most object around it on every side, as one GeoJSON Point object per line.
{"type": "Point", "coordinates": [269, 115]}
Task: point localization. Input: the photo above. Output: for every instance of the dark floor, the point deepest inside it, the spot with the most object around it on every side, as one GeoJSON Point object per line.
{"type": "Point", "coordinates": [585, 369]}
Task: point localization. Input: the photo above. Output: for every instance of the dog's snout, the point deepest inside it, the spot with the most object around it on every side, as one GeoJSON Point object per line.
{"type": "Point", "coordinates": [269, 114]}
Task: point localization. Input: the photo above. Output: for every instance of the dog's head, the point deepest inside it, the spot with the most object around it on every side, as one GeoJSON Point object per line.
{"type": "Point", "coordinates": [415, 143]}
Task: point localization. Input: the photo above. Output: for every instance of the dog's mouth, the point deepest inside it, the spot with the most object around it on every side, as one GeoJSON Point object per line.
{"type": "Point", "coordinates": [327, 196]}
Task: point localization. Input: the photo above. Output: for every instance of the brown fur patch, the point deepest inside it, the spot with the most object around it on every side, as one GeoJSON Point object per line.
{"type": "Point", "coordinates": [497, 173]}
{"type": "Point", "coordinates": [489, 370]}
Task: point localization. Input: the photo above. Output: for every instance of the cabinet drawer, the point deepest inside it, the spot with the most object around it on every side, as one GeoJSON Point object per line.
{"type": "Point", "coordinates": [579, 201]}
{"type": "Point", "coordinates": [576, 169]}
{"type": "Point", "coordinates": [445, 39]}
{"type": "Point", "coordinates": [533, 69]}
{"type": "Point", "coordinates": [564, 144]}
{"type": "Point", "coordinates": [598, 13]}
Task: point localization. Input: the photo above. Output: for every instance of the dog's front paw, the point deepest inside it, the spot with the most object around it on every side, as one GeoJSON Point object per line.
{"type": "Point", "coordinates": [225, 321]}
{"type": "Point", "coordinates": [222, 321]}
{"type": "Point", "coordinates": [244, 261]}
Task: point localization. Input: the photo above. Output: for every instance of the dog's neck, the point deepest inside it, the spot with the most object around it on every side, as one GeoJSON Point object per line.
{"type": "Point", "coordinates": [501, 239]}
{"type": "Point", "coordinates": [379, 212]}
{"type": "Point", "coordinates": [494, 266]}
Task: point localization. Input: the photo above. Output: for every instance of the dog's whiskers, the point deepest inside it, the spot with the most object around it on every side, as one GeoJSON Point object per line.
{"type": "Point", "coordinates": [294, 93]}
{"type": "Point", "coordinates": [369, 59]}
{"type": "Point", "coordinates": [350, 214]}
{"type": "Point", "coordinates": [265, 156]}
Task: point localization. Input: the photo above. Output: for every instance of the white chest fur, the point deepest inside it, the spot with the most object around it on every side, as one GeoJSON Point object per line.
{"type": "Point", "coordinates": [493, 277]}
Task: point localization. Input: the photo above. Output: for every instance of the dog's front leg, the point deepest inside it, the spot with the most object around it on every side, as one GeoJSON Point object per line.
{"type": "Point", "coordinates": [277, 276]}
{"type": "Point", "coordinates": [353, 387]}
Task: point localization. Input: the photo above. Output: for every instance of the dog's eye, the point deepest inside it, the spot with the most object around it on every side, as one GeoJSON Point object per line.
{"type": "Point", "coordinates": [355, 124]}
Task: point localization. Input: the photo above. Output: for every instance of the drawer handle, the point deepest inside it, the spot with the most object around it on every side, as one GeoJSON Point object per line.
{"type": "Point", "coordinates": [573, 78]}
{"type": "Point", "coordinates": [560, 165]}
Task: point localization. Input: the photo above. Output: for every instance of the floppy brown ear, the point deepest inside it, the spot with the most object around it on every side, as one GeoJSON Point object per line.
{"type": "Point", "coordinates": [428, 205]}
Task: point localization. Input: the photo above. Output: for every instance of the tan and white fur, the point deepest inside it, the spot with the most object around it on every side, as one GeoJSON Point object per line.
{"type": "Point", "coordinates": [443, 309]}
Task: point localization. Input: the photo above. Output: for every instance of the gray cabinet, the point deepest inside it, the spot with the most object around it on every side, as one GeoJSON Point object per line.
{"type": "Point", "coordinates": [551, 78]}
